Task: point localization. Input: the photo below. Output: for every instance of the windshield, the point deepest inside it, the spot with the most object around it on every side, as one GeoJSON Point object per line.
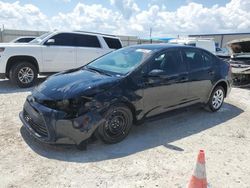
{"type": "Point", "coordinates": [121, 61]}
{"type": "Point", "coordinates": [39, 39]}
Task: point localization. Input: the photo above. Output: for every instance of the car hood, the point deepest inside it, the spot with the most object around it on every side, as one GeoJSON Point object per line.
{"type": "Point", "coordinates": [74, 83]}
{"type": "Point", "coordinates": [240, 46]}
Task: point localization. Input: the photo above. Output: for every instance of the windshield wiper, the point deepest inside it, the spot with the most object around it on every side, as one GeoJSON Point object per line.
{"type": "Point", "coordinates": [98, 70]}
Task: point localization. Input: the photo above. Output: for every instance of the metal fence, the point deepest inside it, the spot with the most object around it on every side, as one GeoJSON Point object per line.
{"type": "Point", "coordinates": [8, 35]}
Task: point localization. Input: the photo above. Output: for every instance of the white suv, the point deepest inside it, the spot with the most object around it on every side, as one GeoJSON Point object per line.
{"type": "Point", "coordinates": [52, 52]}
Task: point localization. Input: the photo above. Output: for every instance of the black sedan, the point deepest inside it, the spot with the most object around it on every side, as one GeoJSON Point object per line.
{"type": "Point", "coordinates": [108, 95]}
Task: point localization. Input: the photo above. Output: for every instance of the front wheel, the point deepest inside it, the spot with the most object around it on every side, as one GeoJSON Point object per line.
{"type": "Point", "coordinates": [23, 74]}
{"type": "Point", "coordinates": [118, 122]}
{"type": "Point", "coordinates": [216, 99]}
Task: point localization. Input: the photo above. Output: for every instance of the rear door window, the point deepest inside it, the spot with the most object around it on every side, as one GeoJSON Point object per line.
{"type": "Point", "coordinates": [208, 59]}
{"type": "Point", "coordinates": [196, 59]}
{"type": "Point", "coordinates": [83, 40]}
{"type": "Point", "coordinates": [113, 43]}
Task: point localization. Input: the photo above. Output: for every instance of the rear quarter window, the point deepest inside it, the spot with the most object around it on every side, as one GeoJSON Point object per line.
{"type": "Point", "coordinates": [113, 43]}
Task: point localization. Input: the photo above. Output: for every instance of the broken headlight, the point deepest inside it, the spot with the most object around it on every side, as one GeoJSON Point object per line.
{"type": "Point", "coordinates": [73, 107]}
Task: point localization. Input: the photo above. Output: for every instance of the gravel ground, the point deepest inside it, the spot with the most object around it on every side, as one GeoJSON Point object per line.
{"type": "Point", "coordinates": [160, 153]}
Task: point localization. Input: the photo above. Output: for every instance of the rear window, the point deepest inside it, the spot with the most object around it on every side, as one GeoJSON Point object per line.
{"type": "Point", "coordinates": [113, 43]}
{"type": "Point", "coordinates": [87, 41]}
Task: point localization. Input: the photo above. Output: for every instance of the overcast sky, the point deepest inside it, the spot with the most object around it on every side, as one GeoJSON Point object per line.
{"type": "Point", "coordinates": [129, 17]}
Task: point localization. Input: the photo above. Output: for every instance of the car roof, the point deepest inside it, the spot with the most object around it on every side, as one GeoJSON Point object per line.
{"type": "Point", "coordinates": [161, 46]}
{"type": "Point", "coordinates": [87, 33]}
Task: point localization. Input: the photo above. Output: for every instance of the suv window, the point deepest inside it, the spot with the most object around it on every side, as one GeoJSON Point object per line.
{"type": "Point", "coordinates": [24, 40]}
{"type": "Point", "coordinates": [113, 43]}
{"type": "Point", "coordinates": [169, 61]}
{"type": "Point", "coordinates": [82, 40]}
{"type": "Point", "coordinates": [63, 39]}
{"type": "Point", "coordinates": [196, 58]}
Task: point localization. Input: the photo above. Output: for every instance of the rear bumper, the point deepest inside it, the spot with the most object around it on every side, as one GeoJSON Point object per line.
{"type": "Point", "coordinates": [38, 119]}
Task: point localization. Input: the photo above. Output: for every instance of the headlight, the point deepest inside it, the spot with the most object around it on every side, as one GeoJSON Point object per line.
{"type": "Point", "coordinates": [2, 49]}
{"type": "Point", "coordinates": [57, 105]}
{"type": "Point", "coordinates": [67, 105]}
{"type": "Point", "coordinates": [72, 107]}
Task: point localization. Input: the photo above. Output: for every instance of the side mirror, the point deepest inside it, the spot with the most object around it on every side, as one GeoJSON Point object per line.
{"type": "Point", "coordinates": [50, 42]}
{"type": "Point", "coordinates": [156, 73]}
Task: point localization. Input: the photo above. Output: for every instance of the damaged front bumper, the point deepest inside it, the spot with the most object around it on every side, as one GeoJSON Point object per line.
{"type": "Point", "coordinates": [50, 126]}
{"type": "Point", "coordinates": [240, 74]}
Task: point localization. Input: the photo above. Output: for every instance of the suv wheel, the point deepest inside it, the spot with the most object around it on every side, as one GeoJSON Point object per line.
{"type": "Point", "coordinates": [117, 125]}
{"type": "Point", "coordinates": [216, 99]}
{"type": "Point", "coordinates": [23, 74]}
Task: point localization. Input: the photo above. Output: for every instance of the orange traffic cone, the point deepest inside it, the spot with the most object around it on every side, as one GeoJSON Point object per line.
{"type": "Point", "coordinates": [199, 179]}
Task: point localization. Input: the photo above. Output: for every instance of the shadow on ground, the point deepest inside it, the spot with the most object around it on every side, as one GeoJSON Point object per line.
{"type": "Point", "coordinates": [159, 131]}
{"type": "Point", "coordinates": [7, 87]}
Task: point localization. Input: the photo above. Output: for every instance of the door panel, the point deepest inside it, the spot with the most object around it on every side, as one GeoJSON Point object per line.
{"type": "Point", "coordinates": [201, 72]}
{"type": "Point", "coordinates": [58, 58]}
{"type": "Point", "coordinates": [167, 90]}
{"type": "Point", "coordinates": [88, 48]}
{"type": "Point", "coordinates": [59, 54]}
{"type": "Point", "coordinates": [159, 95]}
{"type": "Point", "coordinates": [200, 84]}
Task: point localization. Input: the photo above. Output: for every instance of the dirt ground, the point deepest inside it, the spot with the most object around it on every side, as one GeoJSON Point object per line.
{"type": "Point", "coordinates": [160, 153]}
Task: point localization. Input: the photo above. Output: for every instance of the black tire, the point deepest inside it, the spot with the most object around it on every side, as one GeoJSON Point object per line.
{"type": "Point", "coordinates": [118, 122]}
{"type": "Point", "coordinates": [16, 71]}
{"type": "Point", "coordinates": [213, 103]}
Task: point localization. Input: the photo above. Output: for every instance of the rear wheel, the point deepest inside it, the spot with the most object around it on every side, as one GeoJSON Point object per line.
{"type": "Point", "coordinates": [23, 74]}
{"type": "Point", "coordinates": [117, 125]}
{"type": "Point", "coordinates": [216, 99]}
